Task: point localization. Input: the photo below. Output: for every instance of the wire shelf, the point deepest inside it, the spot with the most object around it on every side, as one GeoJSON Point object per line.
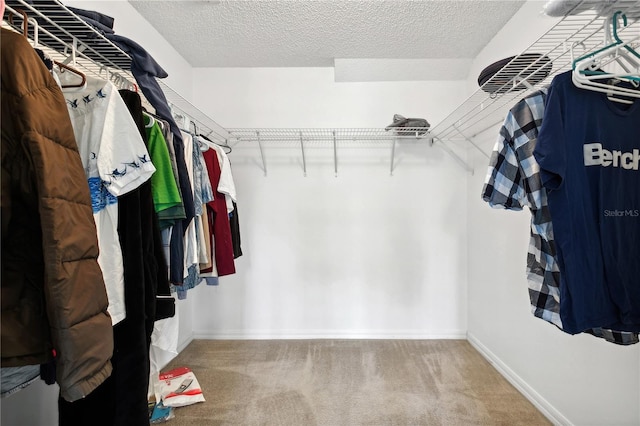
{"type": "Point", "coordinates": [63, 33]}
{"type": "Point", "coordinates": [64, 28]}
{"type": "Point", "coordinates": [304, 139]}
{"type": "Point", "coordinates": [550, 55]}
{"type": "Point", "coordinates": [326, 134]}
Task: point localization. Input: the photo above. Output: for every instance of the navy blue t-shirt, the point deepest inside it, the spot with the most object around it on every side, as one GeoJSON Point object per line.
{"type": "Point", "coordinates": [588, 149]}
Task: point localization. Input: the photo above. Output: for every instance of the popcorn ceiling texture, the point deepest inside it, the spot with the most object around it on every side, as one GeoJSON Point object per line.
{"type": "Point", "coordinates": [314, 33]}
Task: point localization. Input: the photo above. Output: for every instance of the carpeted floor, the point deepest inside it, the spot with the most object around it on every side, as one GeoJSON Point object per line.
{"type": "Point", "coordinates": [348, 382]}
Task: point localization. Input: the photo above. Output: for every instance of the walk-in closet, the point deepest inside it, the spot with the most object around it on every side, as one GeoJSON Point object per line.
{"type": "Point", "coordinates": [320, 212]}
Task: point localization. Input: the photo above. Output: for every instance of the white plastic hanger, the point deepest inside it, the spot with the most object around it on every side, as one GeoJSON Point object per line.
{"type": "Point", "coordinates": [590, 71]}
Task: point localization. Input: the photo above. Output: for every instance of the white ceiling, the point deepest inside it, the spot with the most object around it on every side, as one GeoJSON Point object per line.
{"type": "Point", "coordinates": [364, 40]}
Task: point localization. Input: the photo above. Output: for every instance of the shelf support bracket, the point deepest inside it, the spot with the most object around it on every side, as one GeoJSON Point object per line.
{"type": "Point", "coordinates": [454, 155]}
{"type": "Point", "coordinates": [335, 154]}
{"type": "Point", "coordinates": [471, 142]}
{"type": "Point", "coordinates": [264, 163]}
{"type": "Point", "coordinates": [304, 160]}
{"type": "Point", "coordinates": [393, 154]}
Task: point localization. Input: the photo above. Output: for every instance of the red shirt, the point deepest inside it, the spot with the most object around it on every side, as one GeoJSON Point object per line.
{"type": "Point", "coordinates": [218, 220]}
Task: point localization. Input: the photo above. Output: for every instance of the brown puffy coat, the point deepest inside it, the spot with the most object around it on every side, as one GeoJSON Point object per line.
{"type": "Point", "coordinates": [53, 294]}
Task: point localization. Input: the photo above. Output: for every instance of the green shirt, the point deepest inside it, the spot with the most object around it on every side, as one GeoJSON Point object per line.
{"type": "Point", "coordinates": [163, 183]}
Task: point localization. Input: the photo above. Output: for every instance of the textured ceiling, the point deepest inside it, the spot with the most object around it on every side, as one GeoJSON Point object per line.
{"type": "Point", "coordinates": [316, 33]}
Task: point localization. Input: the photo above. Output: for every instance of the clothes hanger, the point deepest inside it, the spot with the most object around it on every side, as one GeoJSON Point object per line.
{"type": "Point", "coordinates": [606, 82]}
{"type": "Point", "coordinates": [613, 46]}
{"type": "Point", "coordinates": [615, 33]}
{"type": "Point", "coordinates": [613, 92]}
{"type": "Point", "coordinates": [180, 118]}
{"type": "Point", "coordinates": [63, 67]}
{"type": "Point", "coordinates": [594, 66]}
{"type": "Point", "coordinates": [121, 82]}
{"type": "Point", "coordinates": [224, 147]}
{"type": "Point", "coordinates": [25, 23]}
{"type": "Point", "coordinates": [151, 118]}
{"type": "Point", "coordinates": [161, 121]}
{"type": "Point", "coordinates": [588, 72]}
{"type": "Point", "coordinates": [625, 59]}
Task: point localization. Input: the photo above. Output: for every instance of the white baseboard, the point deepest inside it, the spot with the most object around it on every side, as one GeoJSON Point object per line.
{"type": "Point", "coordinates": [327, 334]}
{"type": "Point", "coordinates": [182, 345]}
{"type": "Point", "coordinates": [549, 411]}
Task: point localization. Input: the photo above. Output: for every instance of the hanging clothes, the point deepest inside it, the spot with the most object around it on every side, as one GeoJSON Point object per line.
{"type": "Point", "coordinates": [226, 185]}
{"type": "Point", "coordinates": [116, 161]}
{"type": "Point", "coordinates": [54, 301]}
{"type": "Point", "coordinates": [163, 183]}
{"type": "Point", "coordinates": [218, 218]}
{"type": "Point", "coordinates": [195, 252]}
{"type": "Point", "coordinates": [203, 193]}
{"type": "Point", "coordinates": [589, 163]}
{"type": "Point", "coordinates": [512, 182]}
{"type": "Point", "coordinates": [234, 222]}
{"type": "Point", "coordinates": [145, 69]}
{"type": "Point", "coordinates": [228, 188]}
{"type": "Point", "coordinates": [145, 276]}
{"type": "Point", "coordinates": [169, 216]}
{"type": "Point", "coordinates": [117, 164]}
{"type": "Point", "coordinates": [143, 266]}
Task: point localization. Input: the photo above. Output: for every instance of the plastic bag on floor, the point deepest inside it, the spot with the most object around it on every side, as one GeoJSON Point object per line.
{"type": "Point", "coordinates": [180, 387]}
{"type": "Point", "coordinates": [164, 348]}
{"type": "Point", "coordinates": [161, 414]}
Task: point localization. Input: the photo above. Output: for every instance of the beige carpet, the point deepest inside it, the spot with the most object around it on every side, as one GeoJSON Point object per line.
{"type": "Point", "coordinates": [349, 382]}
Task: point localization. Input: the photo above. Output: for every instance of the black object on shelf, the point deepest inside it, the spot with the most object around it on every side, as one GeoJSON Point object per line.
{"type": "Point", "coordinates": [515, 73]}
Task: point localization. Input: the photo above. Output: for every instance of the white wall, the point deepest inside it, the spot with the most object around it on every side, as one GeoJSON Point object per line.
{"type": "Point", "coordinates": [577, 380]}
{"type": "Point", "coordinates": [363, 254]}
